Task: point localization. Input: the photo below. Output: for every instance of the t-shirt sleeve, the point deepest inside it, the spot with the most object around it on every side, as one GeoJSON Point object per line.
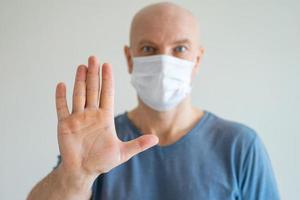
{"type": "Point", "coordinates": [257, 176]}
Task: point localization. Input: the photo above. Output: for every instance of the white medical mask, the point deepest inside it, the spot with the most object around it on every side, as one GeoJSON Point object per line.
{"type": "Point", "coordinates": [161, 81]}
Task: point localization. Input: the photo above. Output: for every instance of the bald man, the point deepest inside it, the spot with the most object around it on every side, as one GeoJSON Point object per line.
{"type": "Point", "coordinates": [163, 149]}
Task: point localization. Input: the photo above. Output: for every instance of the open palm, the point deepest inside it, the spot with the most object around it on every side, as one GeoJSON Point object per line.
{"type": "Point", "coordinates": [87, 138]}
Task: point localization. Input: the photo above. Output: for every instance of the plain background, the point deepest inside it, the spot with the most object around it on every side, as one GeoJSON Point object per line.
{"type": "Point", "coordinates": [250, 73]}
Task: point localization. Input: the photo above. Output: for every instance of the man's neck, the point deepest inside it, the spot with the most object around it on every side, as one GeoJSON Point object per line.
{"type": "Point", "coordinates": [169, 126]}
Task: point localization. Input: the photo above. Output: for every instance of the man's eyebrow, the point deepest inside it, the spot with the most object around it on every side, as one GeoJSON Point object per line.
{"type": "Point", "coordinates": [146, 42]}
{"type": "Point", "coordinates": [182, 41]}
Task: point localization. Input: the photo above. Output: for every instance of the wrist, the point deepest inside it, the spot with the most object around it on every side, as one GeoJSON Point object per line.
{"type": "Point", "coordinates": [74, 181]}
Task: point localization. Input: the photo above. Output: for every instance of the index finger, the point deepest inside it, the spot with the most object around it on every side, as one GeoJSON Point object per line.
{"type": "Point", "coordinates": [107, 88]}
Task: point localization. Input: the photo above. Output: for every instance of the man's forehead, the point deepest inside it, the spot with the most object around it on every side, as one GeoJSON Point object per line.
{"type": "Point", "coordinates": [163, 22]}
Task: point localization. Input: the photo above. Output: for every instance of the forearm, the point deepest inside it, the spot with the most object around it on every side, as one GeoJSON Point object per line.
{"type": "Point", "coordinates": [59, 185]}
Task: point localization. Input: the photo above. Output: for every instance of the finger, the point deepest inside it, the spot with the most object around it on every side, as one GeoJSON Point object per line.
{"type": "Point", "coordinates": [79, 91]}
{"type": "Point", "coordinates": [61, 102]}
{"type": "Point", "coordinates": [107, 89]}
{"type": "Point", "coordinates": [92, 83]}
{"type": "Point", "coordinates": [133, 147]}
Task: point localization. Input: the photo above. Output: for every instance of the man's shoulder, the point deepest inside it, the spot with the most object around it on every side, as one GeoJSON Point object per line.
{"type": "Point", "coordinates": [230, 130]}
{"type": "Point", "coordinates": [232, 139]}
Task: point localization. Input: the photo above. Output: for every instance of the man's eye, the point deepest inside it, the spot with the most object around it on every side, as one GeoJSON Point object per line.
{"type": "Point", "coordinates": [180, 49]}
{"type": "Point", "coordinates": [148, 49]}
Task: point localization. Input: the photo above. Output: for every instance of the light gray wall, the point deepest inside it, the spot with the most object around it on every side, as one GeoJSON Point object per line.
{"type": "Point", "coordinates": [249, 74]}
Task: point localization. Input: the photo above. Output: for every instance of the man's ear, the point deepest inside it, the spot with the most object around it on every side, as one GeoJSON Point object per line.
{"type": "Point", "coordinates": [128, 58]}
{"type": "Point", "coordinates": [198, 61]}
{"type": "Point", "coordinates": [199, 56]}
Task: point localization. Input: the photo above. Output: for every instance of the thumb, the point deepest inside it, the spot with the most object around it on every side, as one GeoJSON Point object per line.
{"type": "Point", "coordinates": [133, 147]}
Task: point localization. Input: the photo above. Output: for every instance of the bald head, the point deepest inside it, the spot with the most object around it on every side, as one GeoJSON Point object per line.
{"type": "Point", "coordinates": [164, 28]}
{"type": "Point", "coordinates": [166, 19]}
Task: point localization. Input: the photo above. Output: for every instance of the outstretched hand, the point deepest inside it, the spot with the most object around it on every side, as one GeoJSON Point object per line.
{"type": "Point", "coordinates": [87, 137]}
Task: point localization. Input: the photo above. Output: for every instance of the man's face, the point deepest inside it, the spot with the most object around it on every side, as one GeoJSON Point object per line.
{"type": "Point", "coordinates": [168, 32]}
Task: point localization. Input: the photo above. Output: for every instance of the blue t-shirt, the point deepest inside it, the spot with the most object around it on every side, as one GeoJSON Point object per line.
{"type": "Point", "coordinates": [217, 160]}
